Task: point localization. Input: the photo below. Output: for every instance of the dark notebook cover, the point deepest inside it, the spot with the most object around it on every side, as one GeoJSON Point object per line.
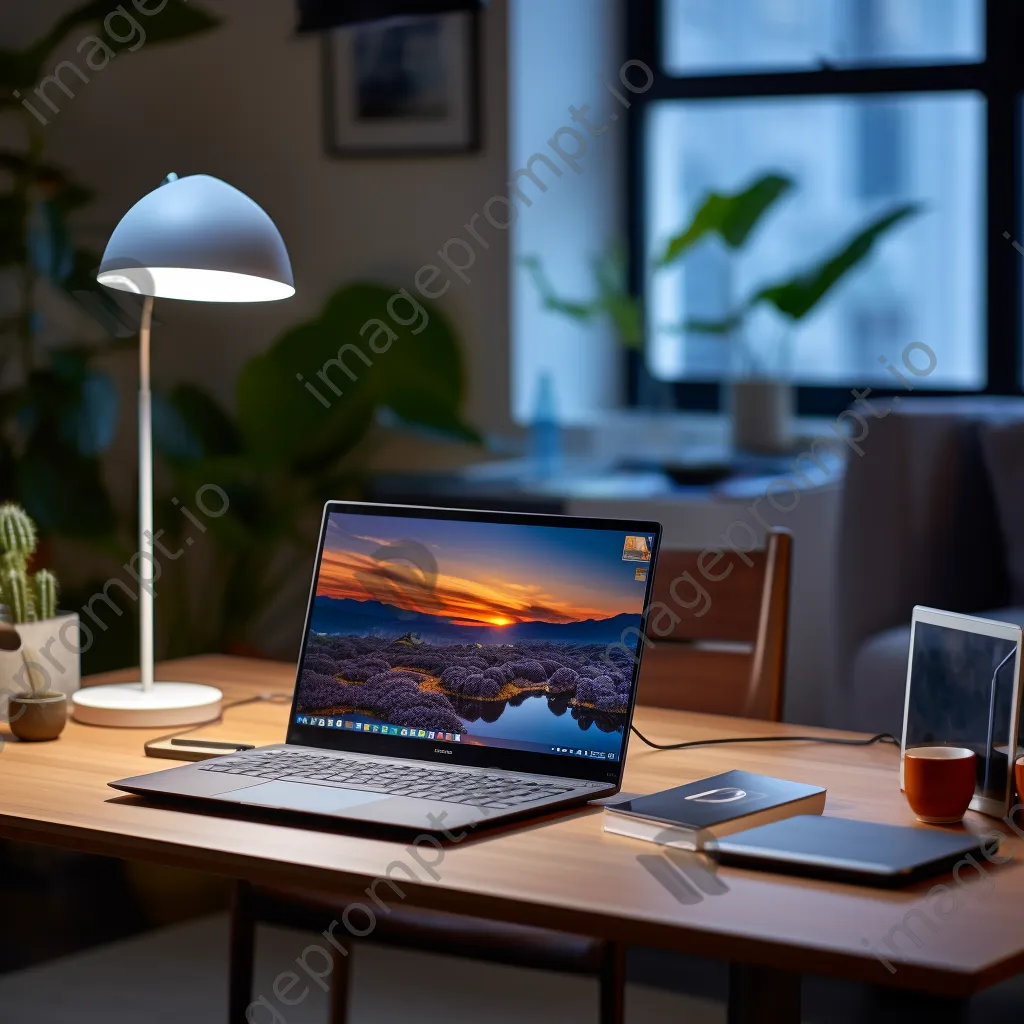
{"type": "Point", "coordinates": [847, 850]}
{"type": "Point", "coordinates": [712, 802]}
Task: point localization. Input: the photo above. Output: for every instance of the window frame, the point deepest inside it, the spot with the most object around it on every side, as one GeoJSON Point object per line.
{"type": "Point", "coordinates": [999, 79]}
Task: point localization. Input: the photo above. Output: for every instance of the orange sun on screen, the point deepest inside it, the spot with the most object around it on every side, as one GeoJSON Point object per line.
{"type": "Point", "coordinates": [499, 621]}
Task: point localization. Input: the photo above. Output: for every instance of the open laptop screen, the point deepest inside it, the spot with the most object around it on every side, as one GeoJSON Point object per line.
{"type": "Point", "coordinates": [477, 637]}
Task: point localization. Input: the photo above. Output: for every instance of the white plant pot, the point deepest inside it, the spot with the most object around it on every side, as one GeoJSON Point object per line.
{"type": "Point", "coordinates": [761, 413]}
{"type": "Point", "coordinates": [54, 644]}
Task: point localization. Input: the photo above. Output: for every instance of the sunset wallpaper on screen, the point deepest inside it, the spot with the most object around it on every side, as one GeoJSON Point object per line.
{"type": "Point", "coordinates": [495, 632]}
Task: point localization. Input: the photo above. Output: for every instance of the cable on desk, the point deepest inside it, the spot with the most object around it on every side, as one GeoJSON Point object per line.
{"type": "Point", "coordinates": [278, 698]}
{"type": "Point", "coordinates": [882, 737]}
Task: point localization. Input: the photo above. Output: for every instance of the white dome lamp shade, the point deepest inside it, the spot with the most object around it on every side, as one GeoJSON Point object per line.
{"type": "Point", "coordinates": [200, 239]}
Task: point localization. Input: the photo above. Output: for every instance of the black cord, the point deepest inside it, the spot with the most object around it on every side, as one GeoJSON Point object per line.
{"type": "Point", "coordinates": [882, 737]}
{"type": "Point", "coordinates": [272, 697]}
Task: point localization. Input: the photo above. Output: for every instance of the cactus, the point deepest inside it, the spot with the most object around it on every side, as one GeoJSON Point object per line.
{"type": "Point", "coordinates": [18, 596]}
{"type": "Point", "coordinates": [17, 531]}
{"type": "Point", "coordinates": [28, 596]}
{"type": "Point", "coordinates": [44, 586]}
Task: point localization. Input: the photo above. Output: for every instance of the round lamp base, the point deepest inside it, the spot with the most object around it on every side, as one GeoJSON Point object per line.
{"type": "Point", "coordinates": [128, 705]}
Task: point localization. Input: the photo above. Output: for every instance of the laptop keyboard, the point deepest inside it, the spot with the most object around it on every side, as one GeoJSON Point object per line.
{"type": "Point", "coordinates": [479, 788]}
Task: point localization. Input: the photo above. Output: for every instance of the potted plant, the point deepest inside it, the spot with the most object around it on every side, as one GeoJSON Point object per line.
{"type": "Point", "coordinates": [760, 399]}
{"type": "Point", "coordinates": [47, 659]}
{"type": "Point", "coordinates": [761, 394]}
{"type": "Point", "coordinates": [37, 713]}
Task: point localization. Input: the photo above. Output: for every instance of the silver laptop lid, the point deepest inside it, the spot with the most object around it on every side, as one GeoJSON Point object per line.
{"type": "Point", "coordinates": [505, 640]}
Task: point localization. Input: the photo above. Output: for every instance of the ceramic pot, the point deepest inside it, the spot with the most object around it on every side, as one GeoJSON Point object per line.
{"type": "Point", "coordinates": [52, 645]}
{"type": "Point", "coordinates": [35, 717]}
{"type": "Point", "coordinates": [761, 412]}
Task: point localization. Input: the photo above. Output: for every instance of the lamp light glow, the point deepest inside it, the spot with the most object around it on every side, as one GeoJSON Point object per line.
{"type": "Point", "coordinates": [196, 285]}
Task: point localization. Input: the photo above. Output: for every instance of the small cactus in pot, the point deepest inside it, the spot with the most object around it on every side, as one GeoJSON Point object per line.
{"type": "Point", "coordinates": [29, 597]}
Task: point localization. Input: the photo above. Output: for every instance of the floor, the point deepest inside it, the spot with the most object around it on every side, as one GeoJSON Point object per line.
{"type": "Point", "coordinates": [178, 973]}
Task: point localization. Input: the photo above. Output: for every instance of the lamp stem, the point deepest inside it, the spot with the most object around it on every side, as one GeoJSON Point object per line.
{"type": "Point", "coordinates": [146, 557]}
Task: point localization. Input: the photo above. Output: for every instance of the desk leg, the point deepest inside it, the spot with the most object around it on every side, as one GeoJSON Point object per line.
{"type": "Point", "coordinates": [895, 1006]}
{"type": "Point", "coordinates": [761, 995]}
{"type": "Point", "coordinates": [242, 939]}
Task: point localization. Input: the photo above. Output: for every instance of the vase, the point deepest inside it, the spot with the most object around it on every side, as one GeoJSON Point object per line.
{"type": "Point", "coordinates": [52, 647]}
{"type": "Point", "coordinates": [761, 413]}
{"type": "Point", "coordinates": [34, 717]}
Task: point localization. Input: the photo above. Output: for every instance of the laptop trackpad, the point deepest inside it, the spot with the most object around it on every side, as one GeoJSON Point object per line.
{"type": "Point", "coordinates": [294, 796]}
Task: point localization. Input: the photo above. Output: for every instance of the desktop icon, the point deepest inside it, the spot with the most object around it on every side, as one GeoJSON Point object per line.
{"type": "Point", "coordinates": [430, 735]}
{"type": "Point", "coordinates": [421, 733]}
{"type": "Point", "coordinates": [330, 723]}
{"type": "Point", "coordinates": [636, 549]}
{"type": "Point", "coordinates": [458, 737]}
{"type": "Point", "coordinates": [348, 724]}
{"type": "Point", "coordinates": [376, 728]}
{"type": "Point", "coordinates": [321, 722]}
{"type": "Point", "coordinates": [405, 732]}
{"type": "Point", "coordinates": [640, 575]}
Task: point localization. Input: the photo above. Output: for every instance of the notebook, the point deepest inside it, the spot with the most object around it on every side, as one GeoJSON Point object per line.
{"type": "Point", "coordinates": [687, 817]}
{"type": "Point", "coordinates": [844, 850]}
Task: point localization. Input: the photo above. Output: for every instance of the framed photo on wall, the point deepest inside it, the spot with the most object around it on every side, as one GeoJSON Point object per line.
{"type": "Point", "coordinates": [403, 87]}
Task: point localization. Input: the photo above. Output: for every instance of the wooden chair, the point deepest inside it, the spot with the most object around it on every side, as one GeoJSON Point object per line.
{"type": "Point", "coordinates": [407, 927]}
{"type": "Point", "coordinates": [719, 646]}
{"type": "Point", "coordinates": [729, 660]}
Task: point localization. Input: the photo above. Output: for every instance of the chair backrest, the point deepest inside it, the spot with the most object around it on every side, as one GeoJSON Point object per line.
{"type": "Point", "coordinates": [727, 653]}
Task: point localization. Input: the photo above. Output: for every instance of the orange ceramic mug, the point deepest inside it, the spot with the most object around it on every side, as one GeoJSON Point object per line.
{"type": "Point", "coordinates": [939, 782]}
{"type": "Point", "coordinates": [1018, 769]}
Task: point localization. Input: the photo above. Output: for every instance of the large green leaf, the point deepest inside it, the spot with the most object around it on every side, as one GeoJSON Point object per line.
{"type": "Point", "coordinates": [285, 424]}
{"type": "Point", "coordinates": [355, 357]}
{"type": "Point", "coordinates": [100, 303]}
{"type": "Point", "coordinates": [70, 405]}
{"type": "Point", "coordinates": [732, 216]}
{"type": "Point", "coordinates": [50, 249]}
{"type": "Point", "coordinates": [177, 20]}
{"type": "Point", "coordinates": [584, 312]}
{"type": "Point", "coordinates": [798, 296]}
{"type": "Point", "coordinates": [613, 298]}
{"type": "Point", "coordinates": [624, 309]}
{"type": "Point", "coordinates": [64, 491]}
{"type": "Point", "coordinates": [189, 425]}
{"type": "Point", "coordinates": [13, 211]}
{"type": "Point", "coordinates": [718, 328]}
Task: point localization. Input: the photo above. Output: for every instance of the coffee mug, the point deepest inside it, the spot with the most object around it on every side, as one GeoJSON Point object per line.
{"type": "Point", "coordinates": [939, 782]}
{"type": "Point", "coordinates": [1018, 770]}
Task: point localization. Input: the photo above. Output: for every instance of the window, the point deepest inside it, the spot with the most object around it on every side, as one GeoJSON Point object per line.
{"type": "Point", "coordinates": [864, 105]}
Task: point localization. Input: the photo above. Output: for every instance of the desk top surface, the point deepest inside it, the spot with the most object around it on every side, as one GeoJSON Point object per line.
{"type": "Point", "coordinates": [564, 872]}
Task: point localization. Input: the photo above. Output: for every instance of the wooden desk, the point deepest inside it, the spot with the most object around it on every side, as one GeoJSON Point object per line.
{"type": "Point", "coordinates": [566, 873]}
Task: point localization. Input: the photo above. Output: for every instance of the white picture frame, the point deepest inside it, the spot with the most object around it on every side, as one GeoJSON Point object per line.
{"type": "Point", "coordinates": [983, 627]}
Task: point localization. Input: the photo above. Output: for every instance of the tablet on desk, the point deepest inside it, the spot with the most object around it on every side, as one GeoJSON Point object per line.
{"type": "Point", "coordinates": [842, 850]}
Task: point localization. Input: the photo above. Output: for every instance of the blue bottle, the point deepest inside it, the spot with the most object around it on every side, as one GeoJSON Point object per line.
{"type": "Point", "coordinates": [545, 445]}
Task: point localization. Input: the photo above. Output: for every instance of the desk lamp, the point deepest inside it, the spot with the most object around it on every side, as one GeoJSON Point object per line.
{"type": "Point", "coordinates": [194, 238]}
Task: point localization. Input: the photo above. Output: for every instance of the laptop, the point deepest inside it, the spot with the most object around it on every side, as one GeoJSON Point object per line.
{"type": "Point", "coordinates": [457, 668]}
